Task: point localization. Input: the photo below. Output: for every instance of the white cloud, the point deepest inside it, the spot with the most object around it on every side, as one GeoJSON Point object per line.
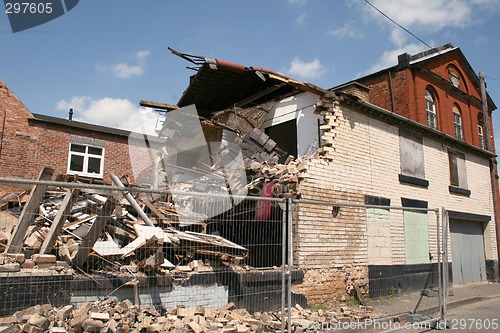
{"type": "Point", "coordinates": [390, 58]}
{"type": "Point", "coordinates": [306, 70]}
{"type": "Point", "coordinates": [347, 30]}
{"type": "Point", "coordinates": [422, 17]}
{"type": "Point", "coordinates": [480, 40]}
{"type": "Point", "coordinates": [142, 54]}
{"type": "Point", "coordinates": [110, 112]}
{"type": "Point", "coordinates": [301, 20]}
{"type": "Point", "coordinates": [297, 2]}
{"type": "Point", "coordinates": [429, 16]}
{"type": "Point", "coordinates": [124, 70]}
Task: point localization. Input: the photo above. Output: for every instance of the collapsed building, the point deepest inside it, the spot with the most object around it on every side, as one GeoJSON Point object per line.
{"type": "Point", "coordinates": [241, 135]}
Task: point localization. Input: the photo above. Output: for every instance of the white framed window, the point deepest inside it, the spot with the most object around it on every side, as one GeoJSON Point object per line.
{"type": "Point", "coordinates": [457, 123]}
{"type": "Point", "coordinates": [480, 130]}
{"type": "Point", "coordinates": [430, 108]}
{"type": "Point", "coordinates": [85, 160]}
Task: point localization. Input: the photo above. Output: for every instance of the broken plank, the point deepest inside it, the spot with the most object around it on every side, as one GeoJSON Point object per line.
{"type": "Point", "coordinates": [94, 233]}
{"type": "Point", "coordinates": [359, 294]}
{"type": "Point", "coordinates": [59, 220]}
{"type": "Point", "coordinates": [30, 208]}
{"type": "Point", "coordinates": [154, 210]}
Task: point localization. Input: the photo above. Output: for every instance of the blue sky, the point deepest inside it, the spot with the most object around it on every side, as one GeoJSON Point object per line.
{"type": "Point", "coordinates": [103, 57]}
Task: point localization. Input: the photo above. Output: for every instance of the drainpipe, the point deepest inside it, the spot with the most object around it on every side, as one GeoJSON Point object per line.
{"type": "Point", "coordinates": [493, 169]}
{"type": "Point", "coordinates": [393, 107]}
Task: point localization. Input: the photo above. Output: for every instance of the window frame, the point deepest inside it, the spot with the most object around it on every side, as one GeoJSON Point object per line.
{"type": "Point", "coordinates": [86, 155]}
{"type": "Point", "coordinates": [412, 159]}
{"type": "Point", "coordinates": [430, 109]}
{"type": "Point", "coordinates": [458, 173]}
{"type": "Point", "coordinates": [457, 122]}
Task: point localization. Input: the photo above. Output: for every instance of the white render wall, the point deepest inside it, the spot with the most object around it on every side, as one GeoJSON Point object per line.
{"type": "Point", "coordinates": [301, 108]}
{"type": "Point", "coordinates": [365, 161]}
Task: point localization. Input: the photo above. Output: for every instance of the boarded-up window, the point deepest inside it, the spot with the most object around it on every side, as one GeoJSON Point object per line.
{"type": "Point", "coordinates": [458, 173]}
{"type": "Point", "coordinates": [416, 230]}
{"type": "Point", "coordinates": [412, 155]}
{"type": "Point", "coordinates": [378, 230]}
{"type": "Point", "coordinates": [416, 237]}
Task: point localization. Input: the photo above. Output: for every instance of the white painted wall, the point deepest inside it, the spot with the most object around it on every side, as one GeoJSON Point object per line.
{"type": "Point", "coordinates": [301, 108]}
{"type": "Point", "coordinates": [366, 160]}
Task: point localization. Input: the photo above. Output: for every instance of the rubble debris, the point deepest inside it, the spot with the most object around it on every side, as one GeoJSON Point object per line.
{"type": "Point", "coordinates": [111, 315]}
{"type": "Point", "coordinates": [98, 232]}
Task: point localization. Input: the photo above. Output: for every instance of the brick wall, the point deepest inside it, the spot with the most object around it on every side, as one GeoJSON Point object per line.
{"type": "Point", "coordinates": [361, 158]}
{"type": "Point", "coordinates": [408, 89]}
{"type": "Point", "coordinates": [27, 144]}
{"type": "Point", "coordinates": [18, 141]}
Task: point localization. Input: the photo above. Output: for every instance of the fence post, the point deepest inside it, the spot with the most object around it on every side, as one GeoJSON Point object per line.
{"type": "Point", "coordinates": [284, 209]}
{"type": "Point", "coordinates": [445, 262]}
{"type": "Point", "coordinates": [439, 259]}
{"type": "Point", "coordinates": [16, 240]}
{"type": "Point", "coordinates": [290, 260]}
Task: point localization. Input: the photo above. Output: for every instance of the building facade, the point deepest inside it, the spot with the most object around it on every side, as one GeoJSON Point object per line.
{"type": "Point", "coordinates": [29, 142]}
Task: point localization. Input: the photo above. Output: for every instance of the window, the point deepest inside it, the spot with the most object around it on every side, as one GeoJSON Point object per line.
{"type": "Point", "coordinates": [411, 153]}
{"type": "Point", "coordinates": [454, 78]}
{"type": "Point", "coordinates": [86, 160]}
{"type": "Point", "coordinates": [378, 231]}
{"type": "Point", "coordinates": [416, 232]}
{"type": "Point", "coordinates": [430, 108]}
{"type": "Point", "coordinates": [458, 174]}
{"type": "Point", "coordinates": [457, 123]}
{"type": "Point", "coordinates": [480, 130]}
{"type": "Point", "coordinates": [285, 136]}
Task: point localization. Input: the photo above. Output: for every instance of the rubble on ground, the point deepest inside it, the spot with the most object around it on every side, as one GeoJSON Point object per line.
{"type": "Point", "coordinates": [126, 240]}
{"type": "Point", "coordinates": [111, 315]}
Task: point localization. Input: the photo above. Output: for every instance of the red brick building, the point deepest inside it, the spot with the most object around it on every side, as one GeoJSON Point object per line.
{"type": "Point", "coordinates": [437, 88]}
{"type": "Point", "coordinates": [29, 142]}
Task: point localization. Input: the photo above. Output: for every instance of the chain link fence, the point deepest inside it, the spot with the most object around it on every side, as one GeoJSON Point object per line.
{"type": "Point", "coordinates": [74, 243]}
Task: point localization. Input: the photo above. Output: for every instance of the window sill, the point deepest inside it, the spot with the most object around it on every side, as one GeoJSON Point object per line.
{"type": "Point", "coordinates": [85, 175]}
{"type": "Point", "coordinates": [413, 181]}
{"type": "Point", "coordinates": [459, 190]}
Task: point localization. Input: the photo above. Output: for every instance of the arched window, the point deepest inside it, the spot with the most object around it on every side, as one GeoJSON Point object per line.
{"type": "Point", "coordinates": [480, 130]}
{"type": "Point", "coordinates": [454, 77]}
{"type": "Point", "coordinates": [457, 122]}
{"type": "Point", "coordinates": [430, 108]}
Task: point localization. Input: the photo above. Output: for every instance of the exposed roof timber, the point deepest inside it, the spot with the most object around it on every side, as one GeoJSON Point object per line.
{"type": "Point", "coordinates": [158, 105]}
{"type": "Point", "coordinates": [197, 60]}
{"type": "Point", "coordinates": [258, 95]}
{"type": "Point", "coordinates": [219, 84]}
{"type": "Point", "coordinates": [306, 86]}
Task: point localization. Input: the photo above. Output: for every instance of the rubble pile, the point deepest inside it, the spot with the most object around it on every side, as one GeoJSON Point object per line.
{"type": "Point", "coordinates": [111, 315]}
{"type": "Point", "coordinates": [285, 177]}
{"type": "Point", "coordinates": [126, 239]}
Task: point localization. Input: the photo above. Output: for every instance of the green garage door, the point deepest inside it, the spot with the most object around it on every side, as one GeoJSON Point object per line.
{"type": "Point", "coordinates": [467, 251]}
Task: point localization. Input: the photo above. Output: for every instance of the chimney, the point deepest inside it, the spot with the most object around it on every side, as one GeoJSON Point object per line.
{"type": "Point", "coordinates": [71, 114]}
{"type": "Point", "coordinates": [404, 61]}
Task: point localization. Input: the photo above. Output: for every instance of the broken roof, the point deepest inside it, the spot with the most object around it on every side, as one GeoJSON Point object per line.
{"type": "Point", "coordinates": [219, 84]}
